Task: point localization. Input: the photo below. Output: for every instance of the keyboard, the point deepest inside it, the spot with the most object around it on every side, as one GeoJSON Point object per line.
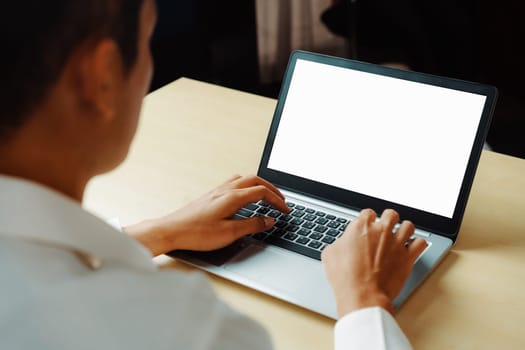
{"type": "Point", "coordinates": [304, 230]}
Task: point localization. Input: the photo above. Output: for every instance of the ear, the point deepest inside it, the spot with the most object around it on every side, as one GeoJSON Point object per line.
{"type": "Point", "coordinates": [101, 78]}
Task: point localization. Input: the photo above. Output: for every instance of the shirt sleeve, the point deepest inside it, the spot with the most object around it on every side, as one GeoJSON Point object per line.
{"type": "Point", "coordinates": [115, 223]}
{"type": "Point", "coordinates": [370, 328]}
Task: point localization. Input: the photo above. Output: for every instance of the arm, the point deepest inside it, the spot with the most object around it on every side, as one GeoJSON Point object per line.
{"type": "Point", "coordinates": [206, 223]}
{"type": "Point", "coordinates": [367, 268]}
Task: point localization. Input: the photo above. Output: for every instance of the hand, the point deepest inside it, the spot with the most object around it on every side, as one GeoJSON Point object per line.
{"type": "Point", "coordinates": [369, 264]}
{"type": "Point", "coordinates": [206, 223]}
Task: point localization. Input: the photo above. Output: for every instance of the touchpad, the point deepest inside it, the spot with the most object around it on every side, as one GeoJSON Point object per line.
{"type": "Point", "coordinates": [281, 271]}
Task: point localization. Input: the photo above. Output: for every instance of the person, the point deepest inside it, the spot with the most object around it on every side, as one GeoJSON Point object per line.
{"type": "Point", "coordinates": [74, 74]}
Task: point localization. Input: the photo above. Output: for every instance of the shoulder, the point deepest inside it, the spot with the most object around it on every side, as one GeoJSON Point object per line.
{"type": "Point", "coordinates": [56, 303]}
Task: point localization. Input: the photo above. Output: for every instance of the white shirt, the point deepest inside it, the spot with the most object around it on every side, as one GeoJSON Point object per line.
{"type": "Point", "coordinates": [71, 281]}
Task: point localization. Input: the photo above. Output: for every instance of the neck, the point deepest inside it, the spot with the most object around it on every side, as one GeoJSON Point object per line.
{"type": "Point", "coordinates": [49, 168]}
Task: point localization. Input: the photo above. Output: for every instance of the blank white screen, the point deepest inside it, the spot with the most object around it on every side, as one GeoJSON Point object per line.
{"type": "Point", "coordinates": [388, 138]}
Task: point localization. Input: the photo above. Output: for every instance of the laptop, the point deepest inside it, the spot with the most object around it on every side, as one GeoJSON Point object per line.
{"type": "Point", "coordinates": [348, 135]}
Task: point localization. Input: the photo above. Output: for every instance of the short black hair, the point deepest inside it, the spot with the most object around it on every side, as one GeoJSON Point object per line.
{"type": "Point", "coordinates": [38, 36]}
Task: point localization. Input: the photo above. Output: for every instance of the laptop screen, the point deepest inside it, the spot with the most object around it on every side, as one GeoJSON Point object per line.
{"type": "Point", "coordinates": [398, 140]}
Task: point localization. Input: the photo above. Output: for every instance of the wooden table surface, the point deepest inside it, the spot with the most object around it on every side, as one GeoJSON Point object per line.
{"type": "Point", "coordinates": [194, 135]}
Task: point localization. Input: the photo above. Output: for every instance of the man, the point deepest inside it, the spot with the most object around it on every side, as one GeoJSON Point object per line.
{"type": "Point", "coordinates": [73, 78]}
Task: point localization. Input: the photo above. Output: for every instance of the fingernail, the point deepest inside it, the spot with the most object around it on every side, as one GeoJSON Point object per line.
{"type": "Point", "coordinates": [268, 221]}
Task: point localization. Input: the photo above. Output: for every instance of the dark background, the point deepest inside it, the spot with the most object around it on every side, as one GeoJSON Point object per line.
{"type": "Point", "coordinates": [216, 41]}
{"type": "Point", "coordinates": [213, 41]}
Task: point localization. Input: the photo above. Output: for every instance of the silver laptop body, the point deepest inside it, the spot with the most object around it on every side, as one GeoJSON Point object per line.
{"type": "Point", "coordinates": [348, 135]}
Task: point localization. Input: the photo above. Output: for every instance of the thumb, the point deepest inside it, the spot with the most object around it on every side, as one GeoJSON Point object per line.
{"type": "Point", "coordinates": [416, 248]}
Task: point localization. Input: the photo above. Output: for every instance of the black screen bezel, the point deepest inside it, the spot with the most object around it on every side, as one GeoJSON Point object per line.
{"type": "Point", "coordinates": [441, 225]}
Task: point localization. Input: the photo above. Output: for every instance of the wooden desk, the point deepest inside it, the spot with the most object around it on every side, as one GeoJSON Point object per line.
{"type": "Point", "coordinates": [194, 135]}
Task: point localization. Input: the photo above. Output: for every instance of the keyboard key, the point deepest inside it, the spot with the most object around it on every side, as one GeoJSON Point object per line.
{"type": "Point", "coordinates": [286, 217]}
{"type": "Point", "coordinates": [274, 214]}
{"type": "Point", "coordinates": [303, 232]}
{"type": "Point", "coordinates": [293, 246]}
{"type": "Point", "coordinates": [321, 221]}
{"type": "Point", "coordinates": [316, 235]}
{"type": "Point", "coordinates": [341, 220]}
{"type": "Point", "coordinates": [333, 232]}
{"type": "Point", "coordinates": [310, 210]}
{"type": "Point", "coordinates": [333, 224]}
{"type": "Point", "coordinates": [298, 213]}
{"type": "Point", "coordinates": [297, 221]}
{"type": "Point", "coordinates": [280, 224]}
{"type": "Point", "coordinates": [328, 239]}
{"type": "Point", "coordinates": [321, 229]}
{"type": "Point", "coordinates": [315, 244]}
{"type": "Point", "coordinates": [270, 230]}
{"type": "Point", "coordinates": [290, 236]}
{"type": "Point", "coordinates": [263, 204]}
{"type": "Point", "coordinates": [330, 217]}
{"type": "Point", "coordinates": [303, 240]}
{"type": "Point", "coordinates": [279, 232]}
{"type": "Point", "coordinates": [260, 236]}
{"type": "Point", "coordinates": [299, 207]}
{"type": "Point", "coordinates": [308, 225]}
{"type": "Point", "coordinates": [263, 210]}
{"type": "Point", "coordinates": [292, 228]}
{"type": "Point", "coordinates": [320, 213]}
{"type": "Point", "coordinates": [290, 204]}
{"type": "Point", "coordinates": [310, 217]}
{"type": "Point", "coordinates": [252, 206]}
{"type": "Point", "coordinates": [244, 212]}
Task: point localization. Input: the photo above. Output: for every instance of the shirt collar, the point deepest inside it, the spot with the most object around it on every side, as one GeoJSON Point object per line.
{"type": "Point", "coordinates": [33, 212]}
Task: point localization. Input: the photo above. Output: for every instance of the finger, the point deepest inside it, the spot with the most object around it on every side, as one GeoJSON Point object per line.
{"type": "Point", "coordinates": [416, 247]}
{"type": "Point", "coordinates": [252, 180]}
{"type": "Point", "coordinates": [244, 196]}
{"type": "Point", "coordinates": [367, 215]}
{"type": "Point", "coordinates": [256, 224]}
{"type": "Point", "coordinates": [405, 230]}
{"type": "Point", "coordinates": [361, 224]}
{"type": "Point", "coordinates": [389, 219]}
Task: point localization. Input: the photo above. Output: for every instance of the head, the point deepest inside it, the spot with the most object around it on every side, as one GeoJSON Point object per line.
{"type": "Point", "coordinates": [73, 75]}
